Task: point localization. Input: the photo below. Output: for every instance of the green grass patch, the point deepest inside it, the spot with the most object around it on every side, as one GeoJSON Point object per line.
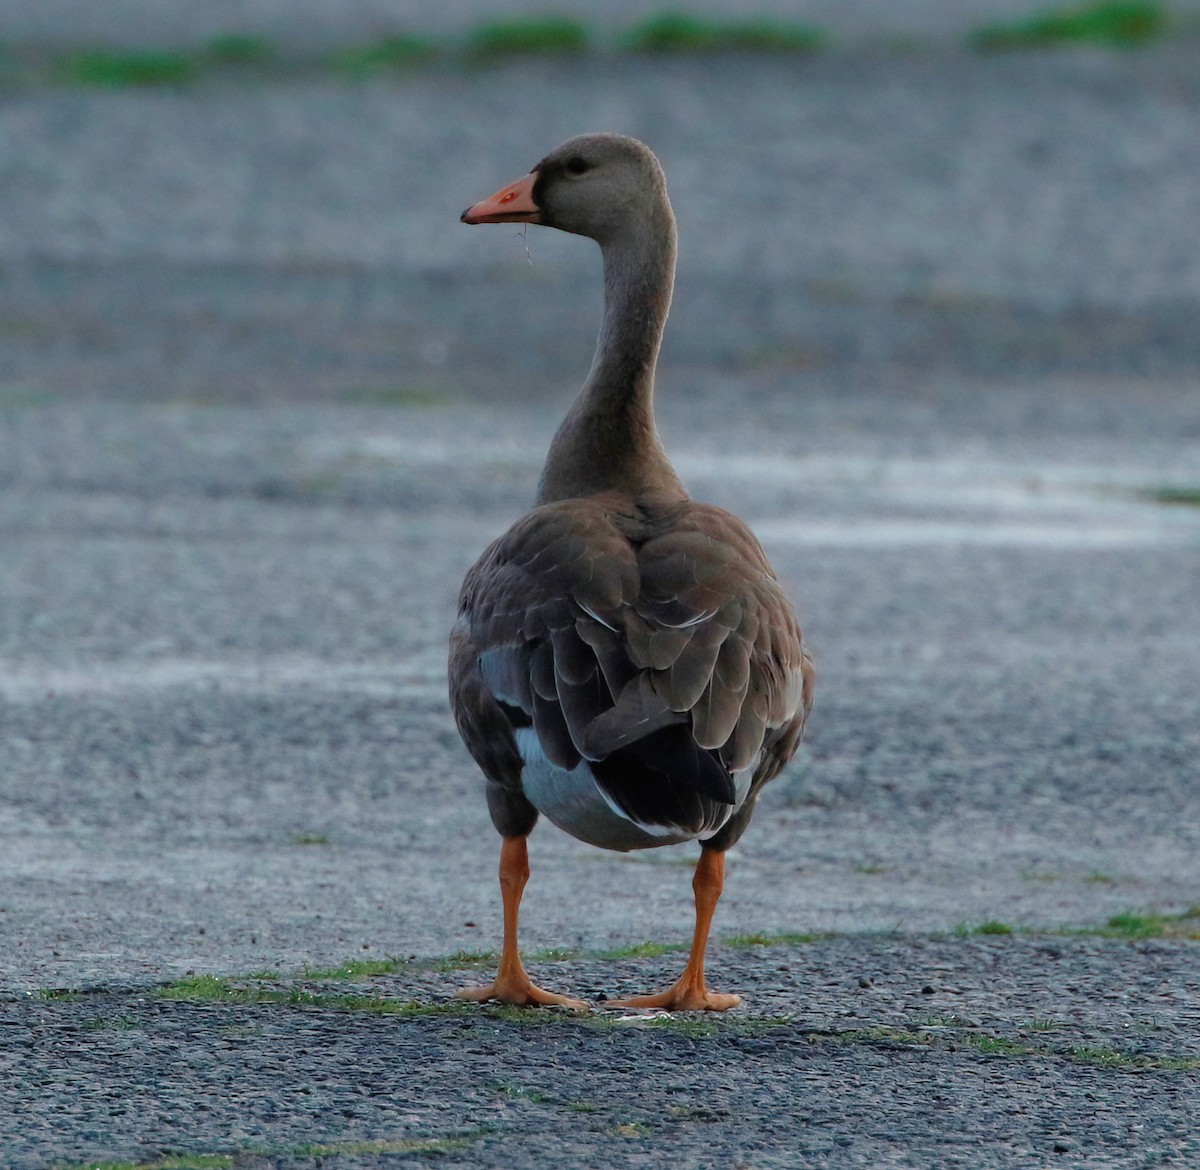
{"type": "Point", "coordinates": [458, 961]}
{"type": "Point", "coordinates": [199, 987]}
{"type": "Point", "coordinates": [130, 68]}
{"type": "Point", "coordinates": [170, 1162]}
{"type": "Point", "coordinates": [679, 32]}
{"type": "Point", "coordinates": [1135, 1061]}
{"type": "Point", "coordinates": [446, 1145]}
{"type": "Point", "coordinates": [930, 1020]}
{"type": "Point", "coordinates": [515, 1092]}
{"type": "Point", "coordinates": [528, 36]}
{"type": "Point", "coordinates": [1137, 924]}
{"type": "Point", "coordinates": [906, 1037]}
{"type": "Point", "coordinates": [693, 1025]}
{"type": "Point", "coordinates": [1002, 1046]}
{"type": "Point", "coordinates": [239, 49]}
{"type": "Point", "coordinates": [966, 930]}
{"type": "Point", "coordinates": [743, 942]}
{"type": "Point", "coordinates": [642, 950]}
{"type": "Point", "coordinates": [1133, 925]}
{"type": "Point", "coordinates": [355, 969]}
{"type": "Point", "coordinates": [995, 1045]}
{"type": "Point", "coordinates": [403, 396]}
{"type": "Point", "coordinates": [554, 955]}
{"type": "Point", "coordinates": [250, 55]}
{"type": "Point", "coordinates": [213, 989]}
{"type": "Point", "coordinates": [1179, 497]}
{"type": "Point", "coordinates": [1119, 23]}
{"type": "Point", "coordinates": [584, 1106]}
{"type": "Point", "coordinates": [306, 1150]}
{"type": "Point", "coordinates": [111, 1024]}
{"type": "Point", "coordinates": [401, 51]}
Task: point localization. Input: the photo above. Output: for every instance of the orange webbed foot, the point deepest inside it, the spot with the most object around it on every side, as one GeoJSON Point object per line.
{"type": "Point", "coordinates": [522, 992]}
{"type": "Point", "coordinates": [682, 997]}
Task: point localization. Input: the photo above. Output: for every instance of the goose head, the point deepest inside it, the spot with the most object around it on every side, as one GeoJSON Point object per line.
{"type": "Point", "coordinates": [594, 185]}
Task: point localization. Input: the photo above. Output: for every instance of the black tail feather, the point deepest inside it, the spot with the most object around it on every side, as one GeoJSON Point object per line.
{"type": "Point", "coordinates": [666, 778]}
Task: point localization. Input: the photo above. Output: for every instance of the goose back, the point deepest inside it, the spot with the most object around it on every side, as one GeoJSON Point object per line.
{"type": "Point", "coordinates": [634, 672]}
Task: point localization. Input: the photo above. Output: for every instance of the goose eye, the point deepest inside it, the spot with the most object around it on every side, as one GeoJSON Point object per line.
{"type": "Point", "coordinates": [577, 165]}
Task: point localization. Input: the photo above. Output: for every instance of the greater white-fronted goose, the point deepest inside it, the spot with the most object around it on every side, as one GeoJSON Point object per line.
{"type": "Point", "coordinates": [624, 660]}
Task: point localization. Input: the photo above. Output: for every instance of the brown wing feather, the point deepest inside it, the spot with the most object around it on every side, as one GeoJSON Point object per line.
{"type": "Point", "coordinates": [602, 624]}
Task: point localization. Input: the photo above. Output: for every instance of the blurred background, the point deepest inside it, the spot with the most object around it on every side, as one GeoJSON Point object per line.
{"type": "Point", "coordinates": [263, 399]}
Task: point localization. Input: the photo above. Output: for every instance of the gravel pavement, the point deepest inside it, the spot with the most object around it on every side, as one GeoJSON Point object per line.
{"type": "Point", "coordinates": [263, 400]}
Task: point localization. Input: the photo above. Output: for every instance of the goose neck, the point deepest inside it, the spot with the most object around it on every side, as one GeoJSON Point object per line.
{"type": "Point", "coordinates": [609, 438]}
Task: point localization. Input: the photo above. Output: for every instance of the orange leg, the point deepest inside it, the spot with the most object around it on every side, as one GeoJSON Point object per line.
{"type": "Point", "coordinates": [512, 984]}
{"type": "Point", "coordinates": [690, 993]}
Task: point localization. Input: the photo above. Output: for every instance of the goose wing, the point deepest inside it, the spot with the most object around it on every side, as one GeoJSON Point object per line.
{"type": "Point", "coordinates": [656, 646]}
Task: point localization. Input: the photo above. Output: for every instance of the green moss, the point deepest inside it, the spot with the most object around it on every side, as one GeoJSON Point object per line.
{"type": "Point", "coordinates": [679, 32]}
{"type": "Point", "coordinates": [530, 35]}
{"type": "Point", "coordinates": [130, 67]}
{"type": "Point", "coordinates": [1110, 22]}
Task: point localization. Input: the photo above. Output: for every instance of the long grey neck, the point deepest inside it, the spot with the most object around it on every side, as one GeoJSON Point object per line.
{"type": "Point", "coordinates": [608, 439]}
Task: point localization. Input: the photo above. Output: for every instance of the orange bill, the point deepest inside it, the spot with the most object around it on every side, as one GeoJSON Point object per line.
{"type": "Point", "coordinates": [512, 204]}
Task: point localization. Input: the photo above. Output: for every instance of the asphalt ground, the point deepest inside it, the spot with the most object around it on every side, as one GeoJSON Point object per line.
{"type": "Point", "coordinates": [264, 400]}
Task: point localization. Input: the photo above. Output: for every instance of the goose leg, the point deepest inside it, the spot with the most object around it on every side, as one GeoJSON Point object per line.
{"type": "Point", "coordinates": [690, 993]}
{"type": "Point", "coordinates": [512, 984]}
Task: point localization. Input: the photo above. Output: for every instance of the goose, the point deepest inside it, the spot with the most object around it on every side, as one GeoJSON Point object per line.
{"type": "Point", "coordinates": [624, 660]}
